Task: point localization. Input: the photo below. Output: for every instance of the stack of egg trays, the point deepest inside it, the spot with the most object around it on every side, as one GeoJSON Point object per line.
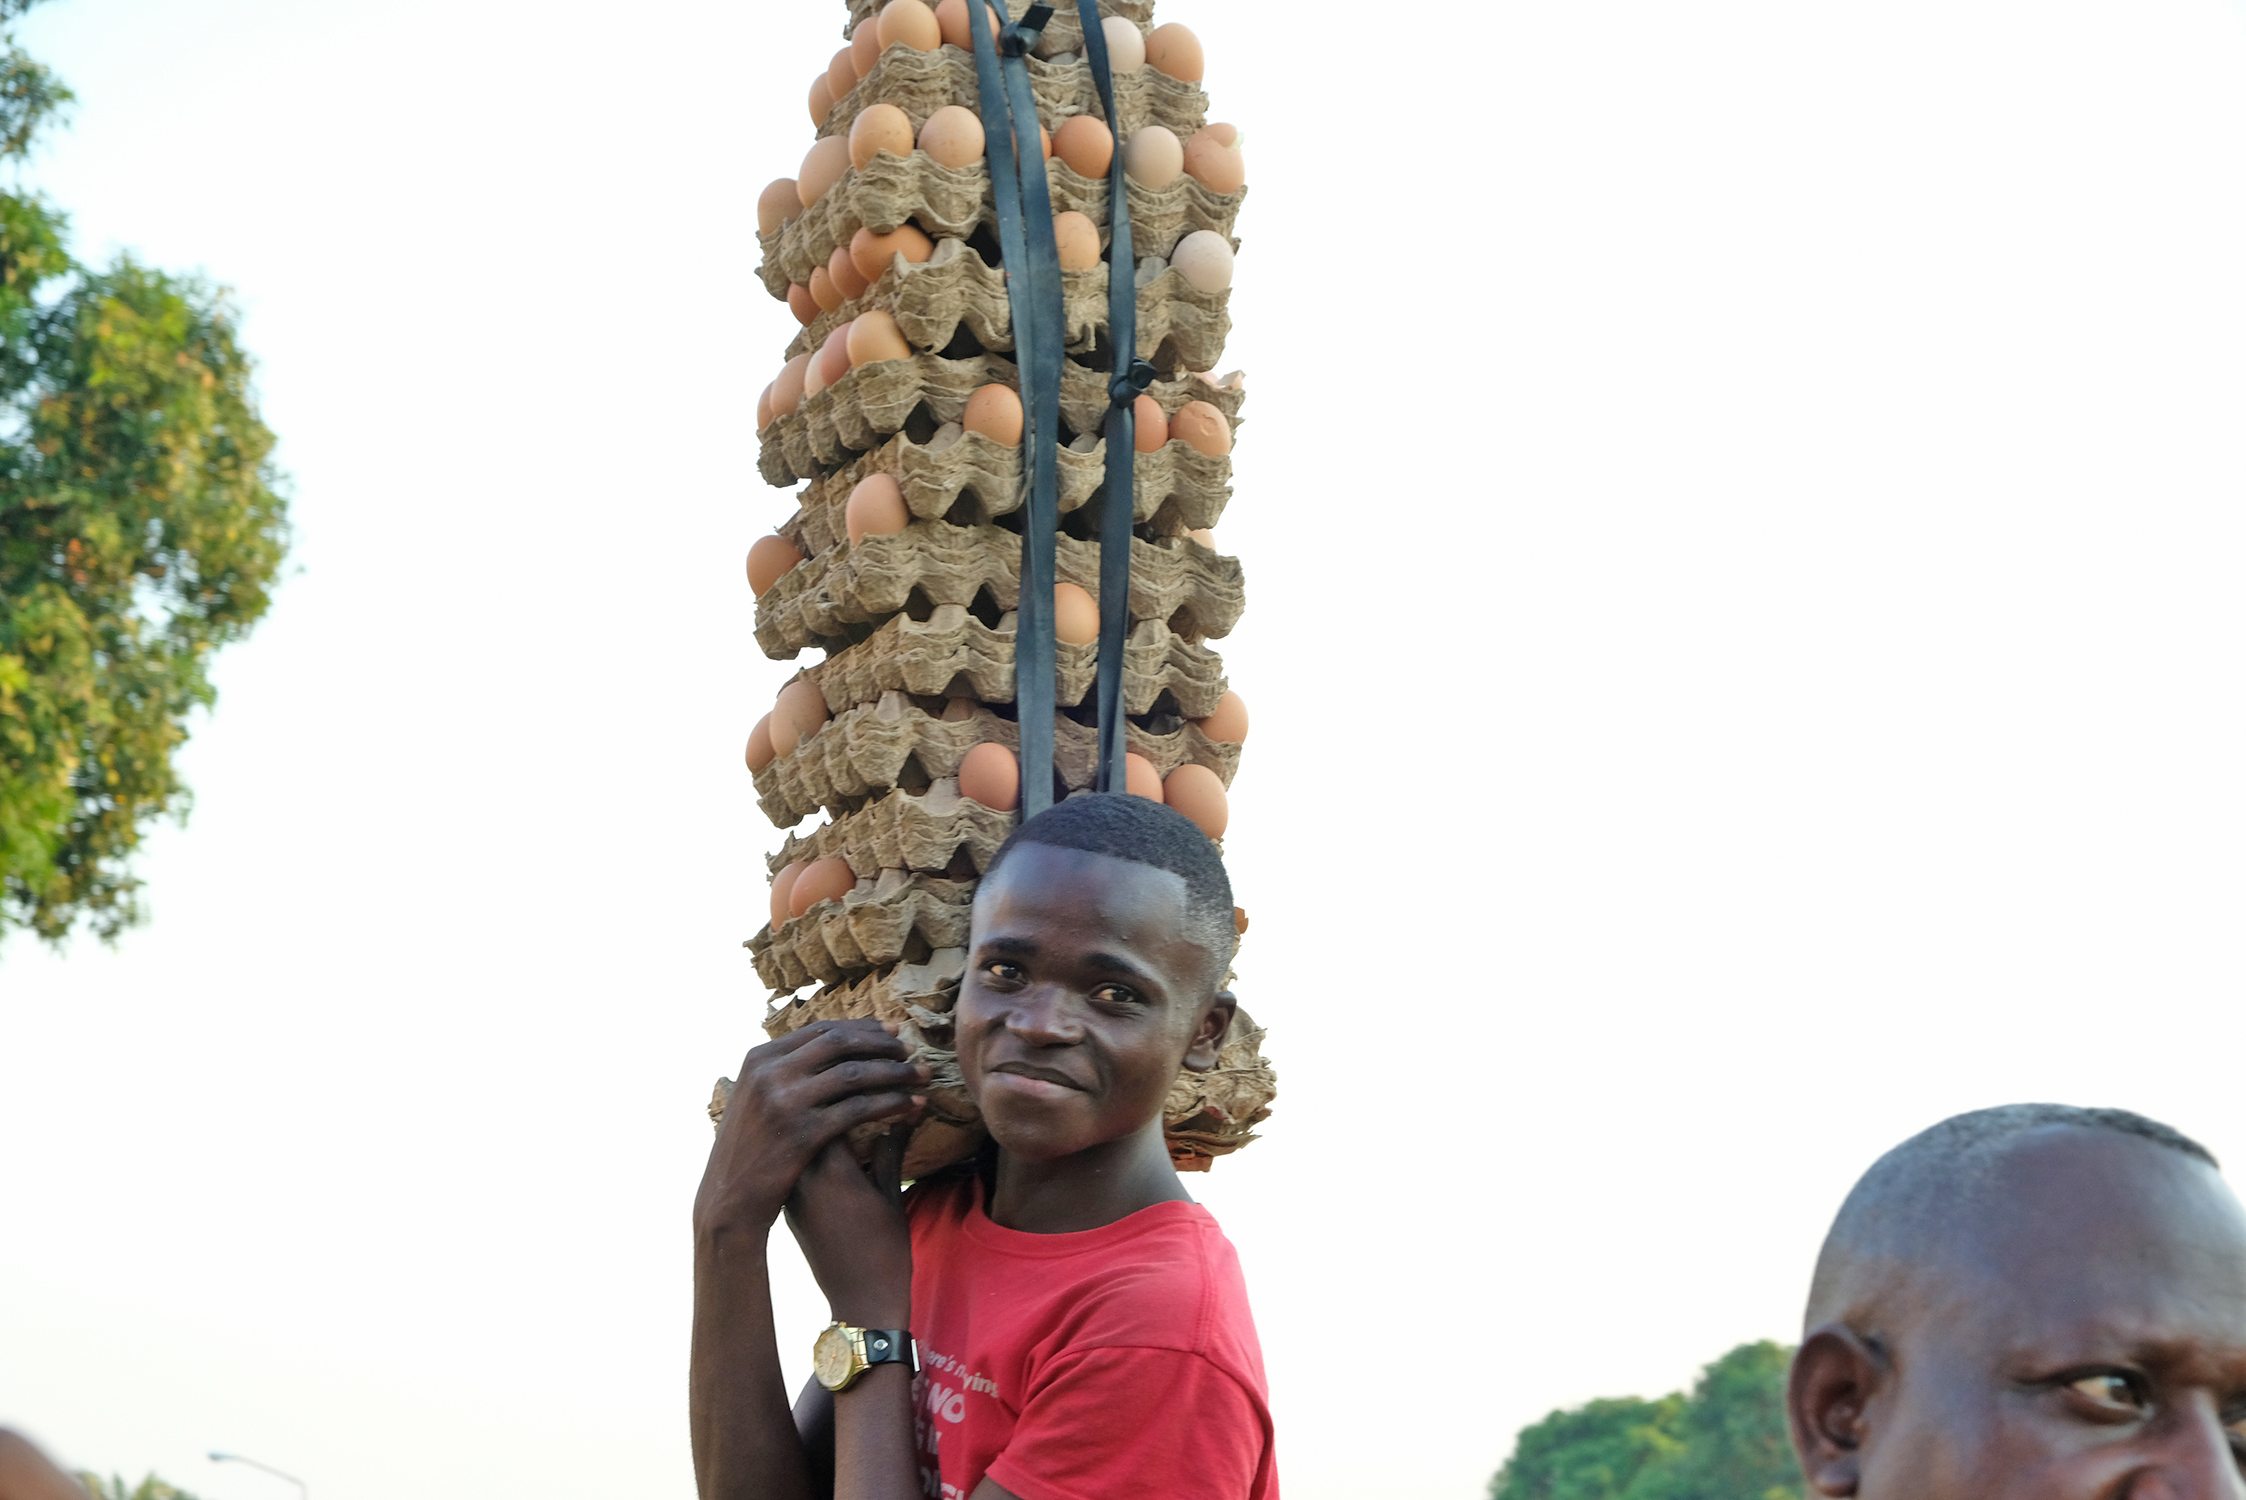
{"type": "Point", "coordinates": [916, 628]}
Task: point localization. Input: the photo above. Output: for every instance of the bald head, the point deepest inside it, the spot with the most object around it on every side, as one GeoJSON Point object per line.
{"type": "Point", "coordinates": [2030, 1303]}
{"type": "Point", "coordinates": [1924, 1208]}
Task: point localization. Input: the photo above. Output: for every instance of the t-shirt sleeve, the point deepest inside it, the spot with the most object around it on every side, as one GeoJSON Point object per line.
{"type": "Point", "coordinates": [1135, 1421]}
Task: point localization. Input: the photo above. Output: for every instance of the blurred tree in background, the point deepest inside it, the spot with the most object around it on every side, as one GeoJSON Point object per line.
{"type": "Point", "coordinates": [1725, 1441]}
{"type": "Point", "coordinates": [139, 530]}
{"type": "Point", "coordinates": [150, 1488]}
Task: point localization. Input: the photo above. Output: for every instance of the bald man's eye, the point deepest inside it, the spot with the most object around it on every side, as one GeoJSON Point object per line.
{"type": "Point", "coordinates": [2115, 1393]}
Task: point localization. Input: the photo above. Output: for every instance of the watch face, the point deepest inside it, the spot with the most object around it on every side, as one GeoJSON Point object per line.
{"type": "Point", "coordinates": [831, 1359]}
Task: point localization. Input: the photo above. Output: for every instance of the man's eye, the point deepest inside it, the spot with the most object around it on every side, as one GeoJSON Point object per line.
{"type": "Point", "coordinates": [1003, 971]}
{"type": "Point", "coordinates": [1115, 994]}
{"type": "Point", "coordinates": [2114, 1391]}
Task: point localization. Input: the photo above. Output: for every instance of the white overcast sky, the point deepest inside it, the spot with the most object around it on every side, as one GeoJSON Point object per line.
{"type": "Point", "coordinates": [1742, 505]}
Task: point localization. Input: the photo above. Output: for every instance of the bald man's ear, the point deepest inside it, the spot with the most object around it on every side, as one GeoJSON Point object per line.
{"type": "Point", "coordinates": [1835, 1374]}
{"type": "Point", "coordinates": [1208, 1037]}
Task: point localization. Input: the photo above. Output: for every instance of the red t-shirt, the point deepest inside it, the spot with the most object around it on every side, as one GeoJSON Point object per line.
{"type": "Point", "coordinates": [1117, 1361]}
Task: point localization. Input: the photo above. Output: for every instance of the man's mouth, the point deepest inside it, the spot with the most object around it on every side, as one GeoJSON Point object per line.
{"type": "Point", "coordinates": [1037, 1074]}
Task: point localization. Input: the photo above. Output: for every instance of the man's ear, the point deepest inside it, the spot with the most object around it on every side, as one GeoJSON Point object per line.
{"type": "Point", "coordinates": [1208, 1037]}
{"type": "Point", "coordinates": [1834, 1377]}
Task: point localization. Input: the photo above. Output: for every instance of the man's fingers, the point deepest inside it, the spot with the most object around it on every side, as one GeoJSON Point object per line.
{"type": "Point", "coordinates": [845, 1040]}
{"type": "Point", "coordinates": [862, 1076]}
{"type": "Point", "coordinates": [824, 1127]}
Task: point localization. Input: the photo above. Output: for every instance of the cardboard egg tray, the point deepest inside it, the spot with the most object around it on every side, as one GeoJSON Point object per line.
{"type": "Point", "coordinates": [865, 751]}
{"type": "Point", "coordinates": [967, 479]}
{"type": "Point", "coordinates": [829, 600]}
{"type": "Point", "coordinates": [1178, 326]}
{"type": "Point", "coordinates": [920, 83]}
{"type": "Point", "coordinates": [1063, 34]}
{"type": "Point", "coordinates": [953, 202]}
{"type": "Point", "coordinates": [866, 929]}
{"type": "Point", "coordinates": [863, 409]}
{"type": "Point", "coordinates": [932, 831]}
{"type": "Point", "coordinates": [953, 655]}
{"type": "Point", "coordinates": [912, 696]}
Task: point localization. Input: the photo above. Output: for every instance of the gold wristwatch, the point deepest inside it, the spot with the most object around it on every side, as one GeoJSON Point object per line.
{"type": "Point", "coordinates": [843, 1353]}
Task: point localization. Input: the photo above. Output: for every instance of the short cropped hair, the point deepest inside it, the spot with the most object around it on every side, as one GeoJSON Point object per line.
{"type": "Point", "coordinates": [1144, 832]}
{"type": "Point", "coordinates": [1937, 1177]}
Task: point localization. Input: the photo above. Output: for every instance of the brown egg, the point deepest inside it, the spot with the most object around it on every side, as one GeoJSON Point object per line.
{"type": "Point", "coordinates": [771, 559]}
{"type": "Point", "coordinates": [1045, 141]}
{"type": "Point", "coordinates": [1204, 259]}
{"type": "Point", "coordinates": [1078, 240]}
{"type": "Point", "coordinates": [953, 136]}
{"type": "Point", "coordinates": [1176, 51]}
{"type": "Point", "coordinates": [1203, 427]}
{"type": "Point", "coordinates": [1204, 537]}
{"type": "Point", "coordinates": [1086, 144]}
{"type": "Point", "coordinates": [824, 291]}
{"type": "Point", "coordinates": [876, 507]}
{"type": "Point", "coordinates": [760, 750]}
{"type": "Point", "coordinates": [1076, 615]}
{"type": "Point", "coordinates": [1126, 44]}
{"type": "Point", "coordinates": [910, 23]}
{"type": "Point", "coordinates": [798, 714]}
{"type": "Point", "coordinates": [777, 204]}
{"type": "Point", "coordinates": [995, 411]}
{"type": "Point", "coordinates": [875, 337]}
{"type": "Point", "coordinates": [787, 391]}
{"type": "Point", "coordinates": [821, 101]}
{"type": "Point", "coordinates": [1153, 158]}
{"type": "Point", "coordinates": [843, 272]}
{"type": "Point", "coordinates": [1150, 425]}
{"type": "Point", "coordinates": [959, 710]}
{"type": "Point", "coordinates": [1140, 779]}
{"type": "Point", "coordinates": [802, 303]}
{"type": "Point", "coordinates": [1240, 921]}
{"type": "Point", "coordinates": [764, 409]}
{"type": "Point", "coordinates": [831, 363]}
{"type": "Point", "coordinates": [992, 775]}
{"type": "Point", "coordinates": [783, 884]}
{"type": "Point", "coordinates": [1227, 723]}
{"type": "Point", "coordinates": [823, 166]}
{"type": "Point", "coordinates": [879, 128]}
{"type": "Point", "coordinates": [1213, 159]}
{"type": "Point", "coordinates": [828, 879]}
{"type": "Point", "coordinates": [842, 75]}
{"type": "Point", "coordinates": [951, 22]}
{"type": "Point", "coordinates": [1198, 792]}
{"type": "Point", "coordinates": [865, 46]}
{"type": "Point", "coordinates": [874, 254]}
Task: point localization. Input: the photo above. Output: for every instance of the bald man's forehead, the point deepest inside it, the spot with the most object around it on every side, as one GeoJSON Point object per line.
{"type": "Point", "coordinates": [2112, 1243]}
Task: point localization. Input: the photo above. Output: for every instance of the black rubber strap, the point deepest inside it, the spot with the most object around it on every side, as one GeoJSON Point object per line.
{"type": "Point", "coordinates": [1024, 204]}
{"type": "Point", "coordinates": [1132, 376]}
{"type": "Point", "coordinates": [889, 1346]}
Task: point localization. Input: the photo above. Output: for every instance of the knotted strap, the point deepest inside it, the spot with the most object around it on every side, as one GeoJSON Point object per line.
{"type": "Point", "coordinates": [1132, 376]}
{"type": "Point", "coordinates": [1024, 203]}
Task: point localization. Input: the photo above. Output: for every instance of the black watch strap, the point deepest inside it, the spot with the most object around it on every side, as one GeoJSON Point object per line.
{"type": "Point", "coordinates": [889, 1346]}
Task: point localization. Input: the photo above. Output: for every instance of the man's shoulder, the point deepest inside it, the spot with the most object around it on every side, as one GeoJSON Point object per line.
{"type": "Point", "coordinates": [1174, 1284]}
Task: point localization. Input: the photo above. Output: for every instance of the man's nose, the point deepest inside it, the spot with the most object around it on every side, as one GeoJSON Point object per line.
{"type": "Point", "coordinates": [1042, 1016]}
{"type": "Point", "coordinates": [2199, 1458]}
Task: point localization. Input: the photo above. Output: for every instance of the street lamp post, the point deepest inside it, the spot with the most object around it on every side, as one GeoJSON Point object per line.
{"type": "Point", "coordinates": [303, 1490]}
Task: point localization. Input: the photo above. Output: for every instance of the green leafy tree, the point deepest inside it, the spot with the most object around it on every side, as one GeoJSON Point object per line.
{"type": "Point", "coordinates": [1595, 1452]}
{"type": "Point", "coordinates": [140, 529]}
{"type": "Point", "coordinates": [150, 1488]}
{"type": "Point", "coordinates": [1725, 1441]}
